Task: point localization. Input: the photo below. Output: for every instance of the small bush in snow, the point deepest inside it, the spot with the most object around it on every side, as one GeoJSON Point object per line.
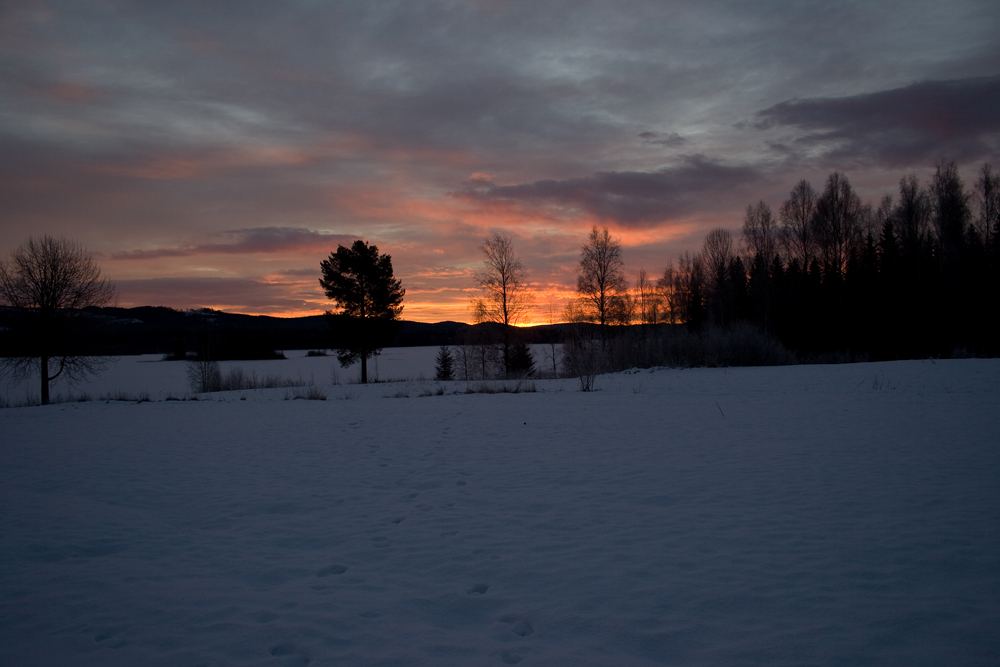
{"type": "Point", "coordinates": [207, 376]}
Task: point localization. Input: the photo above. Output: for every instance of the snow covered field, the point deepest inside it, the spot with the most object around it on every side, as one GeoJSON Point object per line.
{"type": "Point", "coordinates": [161, 379]}
{"type": "Point", "coordinates": [804, 515]}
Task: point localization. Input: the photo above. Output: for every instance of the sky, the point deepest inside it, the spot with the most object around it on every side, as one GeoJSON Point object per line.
{"type": "Point", "coordinates": [213, 154]}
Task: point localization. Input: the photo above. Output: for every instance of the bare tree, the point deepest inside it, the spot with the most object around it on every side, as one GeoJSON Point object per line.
{"type": "Point", "coordinates": [689, 287]}
{"type": "Point", "coordinates": [648, 299]}
{"type": "Point", "coordinates": [48, 282]}
{"type": "Point", "coordinates": [760, 233]}
{"type": "Point", "coordinates": [622, 311]}
{"type": "Point", "coordinates": [797, 217]}
{"type": "Point", "coordinates": [951, 206]}
{"type": "Point", "coordinates": [600, 276]}
{"type": "Point", "coordinates": [883, 214]}
{"type": "Point", "coordinates": [988, 201]}
{"type": "Point", "coordinates": [506, 299]}
{"type": "Point", "coordinates": [838, 222]}
{"type": "Point", "coordinates": [912, 216]}
{"type": "Point", "coordinates": [718, 253]}
{"type": "Point", "coordinates": [669, 292]}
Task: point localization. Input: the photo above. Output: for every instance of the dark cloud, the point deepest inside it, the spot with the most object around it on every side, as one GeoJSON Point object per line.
{"type": "Point", "coordinates": [260, 240]}
{"type": "Point", "coordinates": [916, 125]}
{"type": "Point", "coordinates": [629, 198]}
{"type": "Point", "coordinates": [670, 139]}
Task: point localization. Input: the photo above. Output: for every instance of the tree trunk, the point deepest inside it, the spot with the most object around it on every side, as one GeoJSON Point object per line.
{"type": "Point", "coordinates": [364, 369]}
{"type": "Point", "coordinates": [45, 380]}
{"type": "Point", "coordinates": [506, 351]}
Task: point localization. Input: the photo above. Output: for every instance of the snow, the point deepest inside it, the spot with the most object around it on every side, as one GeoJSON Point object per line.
{"type": "Point", "coordinates": [162, 379]}
{"type": "Point", "coordinates": [771, 516]}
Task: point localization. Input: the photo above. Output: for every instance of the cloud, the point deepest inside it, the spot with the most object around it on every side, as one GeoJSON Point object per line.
{"type": "Point", "coordinates": [914, 125]}
{"type": "Point", "coordinates": [670, 139]}
{"type": "Point", "coordinates": [259, 240]}
{"type": "Point", "coordinates": [628, 198]}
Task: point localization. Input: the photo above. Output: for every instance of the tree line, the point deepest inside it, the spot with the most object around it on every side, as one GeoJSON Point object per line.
{"type": "Point", "coordinates": [827, 277]}
{"type": "Point", "coordinates": [915, 275]}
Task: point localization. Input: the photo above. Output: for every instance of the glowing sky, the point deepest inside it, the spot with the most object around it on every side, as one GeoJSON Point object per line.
{"type": "Point", "coordinates": [213, 153]}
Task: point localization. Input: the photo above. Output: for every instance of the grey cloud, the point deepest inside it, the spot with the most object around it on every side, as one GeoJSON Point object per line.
{"type": "Point", "coordinates": [630, 198]}
{"type": "Point", "coordinates": [670, 139]}
{"type": "Point", "coordinates": [915, 125]}
{"type": "Point", "coordinates": [248, 241]}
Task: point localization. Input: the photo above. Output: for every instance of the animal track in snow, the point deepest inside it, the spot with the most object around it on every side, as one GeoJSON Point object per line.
{"type": "Point", "coordinates": [380, 542]}
{"type": "Point", "coordinates": [332, 569]}
{"type": "Point", "coordinates": [519, 624]}
{"type": "Point", "coordinates": [478, 589]}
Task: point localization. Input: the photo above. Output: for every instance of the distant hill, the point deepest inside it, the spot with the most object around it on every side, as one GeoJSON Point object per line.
{"type": "Point", "coordinates": [161, 330]}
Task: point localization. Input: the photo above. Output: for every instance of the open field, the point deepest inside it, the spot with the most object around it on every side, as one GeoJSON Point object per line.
{"type": "Point", "coordinates": [770, 516]}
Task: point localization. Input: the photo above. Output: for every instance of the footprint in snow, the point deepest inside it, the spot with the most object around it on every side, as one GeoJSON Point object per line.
{"type": "Point", "coordinates": [519, 624]}
{"type": "Point", "coordinates": [510, 657]}
{"type": "Point", "coordinates": [478, 589]}
{"type": "Point", "coordinates": [291, 654]}
{"type": "Point", "coordinates": [380, 542]}
{"type": "Point", "coordinates": [398, 519]}
{"type": "Point", "coordinates": [332, 569]}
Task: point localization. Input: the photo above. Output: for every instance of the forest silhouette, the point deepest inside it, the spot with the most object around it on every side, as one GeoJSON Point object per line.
{"type": "Point", "coordinates": [913, 276]}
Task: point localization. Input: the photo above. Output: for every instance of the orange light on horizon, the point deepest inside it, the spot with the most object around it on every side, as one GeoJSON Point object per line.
{"type": "Point", "coordinates": [549, 306]}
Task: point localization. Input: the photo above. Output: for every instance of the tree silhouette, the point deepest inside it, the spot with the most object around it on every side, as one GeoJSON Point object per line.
{"type": "Point", "coordinates": [48, 282]}
{"type": "Point", "coordinates": [600, 276]}
{"type": "Point", "coordinates": [838, 223]}
{"type": "Point", "coordinates": [913, 277]}
{"type": "Point", "coordinates": [988, 203]}
{"type": "Point", "coordinates": [370, 300]}
{"type": "Point", "coordinates": [798, 214]}
{"type": "Point", "coordinates": [505, 299]}
{"type": "Point", "coordinates": [444, 364]}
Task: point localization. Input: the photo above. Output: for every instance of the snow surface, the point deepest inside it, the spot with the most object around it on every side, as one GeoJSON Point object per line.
{"type": "Point", "coordinates": [163, 379]}
{"type": "Point", "coordinates": [804, 515]}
